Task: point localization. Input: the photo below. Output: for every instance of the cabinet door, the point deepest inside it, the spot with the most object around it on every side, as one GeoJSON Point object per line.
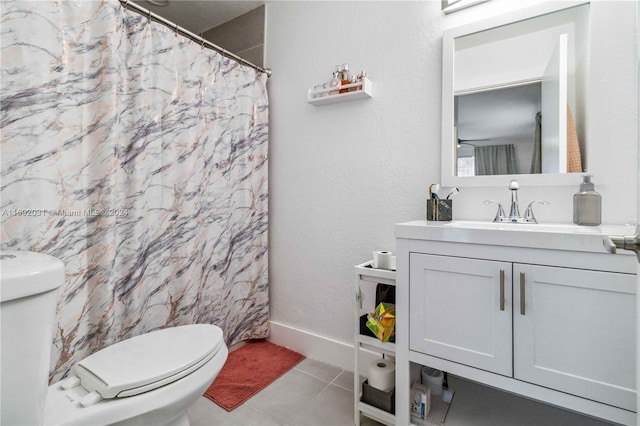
{"type": "Point", "coordinates": [577, 332]}
{"type": "Point", "coordinates": [456, 311]}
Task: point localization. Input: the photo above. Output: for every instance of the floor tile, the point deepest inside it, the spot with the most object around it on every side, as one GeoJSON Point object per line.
{"type": "Point", "coordinates": [318, 369]}
{"type": "Point", "coordinates": [478, 405]}
{"type": "Point", "coordinates": [366, 421]}
{"type": "Point", "coordinates": [317, 394]}
{"type": "Point", "coordinates": [287, 396]}
{"type": "Point", "coordinates": [207, 413]}
{"type": "Point", "coordinates": [333, 406]}
{"type": "Point", "coordinates": [246, 415]}
{"type": "Point", "coordinates": [345, 380]}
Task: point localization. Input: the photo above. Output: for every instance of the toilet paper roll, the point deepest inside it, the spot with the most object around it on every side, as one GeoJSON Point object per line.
{"type": "Point", "coordinates": [382, 259]}
{"type": "Point", "coordinates": [382, 374]}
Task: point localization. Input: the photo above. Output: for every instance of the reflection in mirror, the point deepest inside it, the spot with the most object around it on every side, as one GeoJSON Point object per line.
{"type": "Point", "coordinates": [519, 96]}
{"type": "Point", "coordinates": [498, 131]}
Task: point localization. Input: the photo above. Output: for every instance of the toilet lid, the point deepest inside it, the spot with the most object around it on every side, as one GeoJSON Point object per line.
{"type": "Point", "coordinates": [148, 361]}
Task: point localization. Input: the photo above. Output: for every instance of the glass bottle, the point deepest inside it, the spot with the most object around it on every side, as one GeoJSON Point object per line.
{"type": "Point", "coordinates": [361, 77]}
{"type": "Point", "coordinates": [334, 83]}
{"type": "Point", "coordinates": [346, 77]}
{"type": "Point", "coordinates": [354, 80]}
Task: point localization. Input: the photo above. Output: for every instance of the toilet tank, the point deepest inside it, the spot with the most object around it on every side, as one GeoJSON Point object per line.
{"type": "Point", "coordinates": [28, 295]}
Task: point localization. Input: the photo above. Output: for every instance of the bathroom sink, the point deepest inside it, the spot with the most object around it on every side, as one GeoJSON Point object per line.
{"type": "Point", "coordinates": [568, 228]}
{"type": "Point", "coordinates": [558, 236]}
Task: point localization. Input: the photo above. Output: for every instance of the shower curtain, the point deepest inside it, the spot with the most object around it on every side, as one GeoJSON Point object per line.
{"type": "Point", "coordinates": [496, 160]}
{"type": "Point", "coordinates": [139, 158]}
{"type": "Point", "coordinates": [536, 159]}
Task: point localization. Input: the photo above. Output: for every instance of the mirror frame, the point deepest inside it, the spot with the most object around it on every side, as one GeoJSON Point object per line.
{"type": "Point", "coordinates": [448, 157]}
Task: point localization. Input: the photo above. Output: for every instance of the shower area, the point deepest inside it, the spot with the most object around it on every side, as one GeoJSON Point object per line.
{"type": "Point", "coordinates": [138, 157]}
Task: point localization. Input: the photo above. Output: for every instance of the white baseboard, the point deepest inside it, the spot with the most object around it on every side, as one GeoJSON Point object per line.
{"type": "Point", "coordinates": [319, 348]}
{"type": "Point", "coordinates": [312, 345]}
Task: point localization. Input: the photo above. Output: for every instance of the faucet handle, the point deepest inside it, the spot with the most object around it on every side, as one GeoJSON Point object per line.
{"type": "Point", "coordinates": [528, 214]}
{"type": "Point", "coordinates": [500, 214]}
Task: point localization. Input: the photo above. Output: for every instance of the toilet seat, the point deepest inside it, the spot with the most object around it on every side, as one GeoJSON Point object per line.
{"type": "Point", "coordinates": [165, 404]}
{"type": "Point", "coordinates": [145, 362]}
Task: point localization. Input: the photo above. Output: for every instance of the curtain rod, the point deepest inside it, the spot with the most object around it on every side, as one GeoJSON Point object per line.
{"type": "Point", "coordinates": [130, 5]}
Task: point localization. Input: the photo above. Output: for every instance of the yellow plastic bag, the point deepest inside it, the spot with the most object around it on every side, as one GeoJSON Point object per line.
{"type": "Point", "coordinates": [382, 321]}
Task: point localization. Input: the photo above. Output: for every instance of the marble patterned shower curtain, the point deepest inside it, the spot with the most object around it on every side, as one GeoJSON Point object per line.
{"type": "Point", "coordinates": [139, 158]}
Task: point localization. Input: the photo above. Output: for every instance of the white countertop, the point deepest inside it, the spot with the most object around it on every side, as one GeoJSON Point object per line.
{"type": "Point", "coordinates": [555, 236]}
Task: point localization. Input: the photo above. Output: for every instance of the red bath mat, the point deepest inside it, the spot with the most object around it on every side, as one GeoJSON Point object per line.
{"type": "Point", "coordinates": [248, 370]}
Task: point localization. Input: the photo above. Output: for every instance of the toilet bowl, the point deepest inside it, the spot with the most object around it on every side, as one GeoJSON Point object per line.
{"type": "Point", "coordinates": [149, 379]}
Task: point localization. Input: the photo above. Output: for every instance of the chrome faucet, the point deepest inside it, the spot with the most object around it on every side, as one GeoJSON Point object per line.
{"type": "Point", "coordinates": [514, 211]}
{"type": "Point", "coordinates": [528, 213]}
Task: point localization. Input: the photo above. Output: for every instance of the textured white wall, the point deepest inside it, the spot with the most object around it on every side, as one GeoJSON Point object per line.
{"type": "Point", "coordinates": [342, 175]}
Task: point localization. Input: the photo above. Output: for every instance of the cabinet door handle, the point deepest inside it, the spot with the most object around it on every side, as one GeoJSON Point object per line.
{"type": "Point", "coordinates": [502, 289]}
{"type": "Point", "coordinates": [522, 296]}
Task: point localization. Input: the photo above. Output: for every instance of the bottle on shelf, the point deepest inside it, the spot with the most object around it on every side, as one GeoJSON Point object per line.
{"type": "Point", "coordinates": [346, 77]}
{"type": "Point", "coordinates": [320, 90]}
{"type": "Point", "coordinates": [334, 84]}
{"type": "Point", "coordinates": [360, 79]}
{"type": "Point", "coordinates": [354, 80]}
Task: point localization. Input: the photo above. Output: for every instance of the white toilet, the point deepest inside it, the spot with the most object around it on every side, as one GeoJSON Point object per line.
{"type": "Point", "coordinates": [151, 379]}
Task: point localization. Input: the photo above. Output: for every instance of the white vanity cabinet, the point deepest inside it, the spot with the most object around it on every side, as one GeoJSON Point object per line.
{"type": "Point", "coordinates": [456, 313]}
{"type": "Point", "coordinates": [574, 330]}
{"type": "Point", "coordinates": [545, 317]}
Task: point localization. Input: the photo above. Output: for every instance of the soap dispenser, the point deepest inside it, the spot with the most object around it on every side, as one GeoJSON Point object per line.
{"type": "Point", "coordinates": [587, 204]}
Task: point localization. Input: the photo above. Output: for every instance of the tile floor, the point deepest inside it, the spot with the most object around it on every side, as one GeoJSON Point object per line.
{"type": "Point", "coordinates": [317, 394]}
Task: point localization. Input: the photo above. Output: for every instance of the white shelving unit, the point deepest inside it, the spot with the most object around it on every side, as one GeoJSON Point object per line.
{"type": "Point", "coordinates": [364, 90]}
{"type": "Point", "coordinates": [367, 276]}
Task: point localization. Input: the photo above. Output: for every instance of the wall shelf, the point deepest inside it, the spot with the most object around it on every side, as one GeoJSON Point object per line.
{"type": "Point", "coordinates": [322, 96]}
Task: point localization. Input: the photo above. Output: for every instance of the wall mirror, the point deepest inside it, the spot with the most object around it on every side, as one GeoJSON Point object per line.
{"type": "Point", "coordinates": [514, 98]}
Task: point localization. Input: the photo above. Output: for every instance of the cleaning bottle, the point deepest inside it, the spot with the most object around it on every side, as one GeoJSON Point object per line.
{"type": "Point", "coordinates": [587, 204]}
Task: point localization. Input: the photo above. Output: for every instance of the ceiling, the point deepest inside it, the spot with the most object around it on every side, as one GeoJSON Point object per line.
{"type": "Point", "coordinates": [199, 16]}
